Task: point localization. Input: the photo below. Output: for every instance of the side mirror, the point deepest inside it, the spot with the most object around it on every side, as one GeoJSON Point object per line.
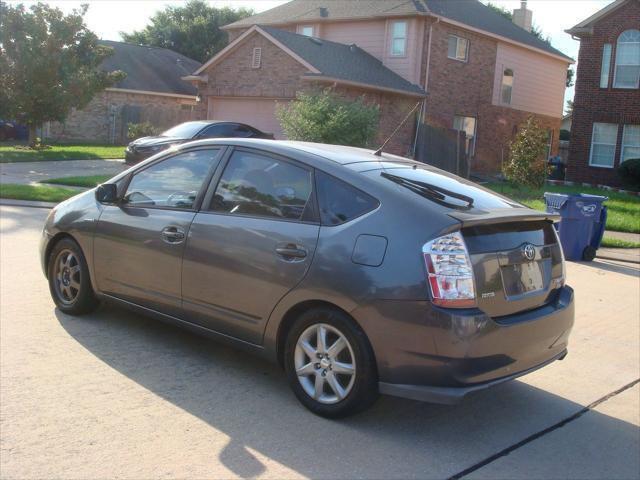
{"type": "Point", "coordinates": [107, 193]}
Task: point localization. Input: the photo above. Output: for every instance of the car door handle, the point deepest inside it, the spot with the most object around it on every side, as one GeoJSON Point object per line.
{"type": "Point", "coordinates": [291, 251]}
{"type": "Point", "coordinates": [172, 235]}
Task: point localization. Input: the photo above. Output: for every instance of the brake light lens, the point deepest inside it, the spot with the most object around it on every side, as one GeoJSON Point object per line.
{"type": "Point", "coordinates": [450, 274]}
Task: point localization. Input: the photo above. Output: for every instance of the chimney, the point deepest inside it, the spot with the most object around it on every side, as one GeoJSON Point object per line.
{"type": "Point", "coordinates": [522, 16]}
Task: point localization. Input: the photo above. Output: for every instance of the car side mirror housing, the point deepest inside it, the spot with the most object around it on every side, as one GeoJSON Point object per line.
{"type": "Point", "coordinates": [107, 193]}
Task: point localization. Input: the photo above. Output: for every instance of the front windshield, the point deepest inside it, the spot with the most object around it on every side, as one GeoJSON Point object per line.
{"type": "Point", "coordinates": [184, 130]}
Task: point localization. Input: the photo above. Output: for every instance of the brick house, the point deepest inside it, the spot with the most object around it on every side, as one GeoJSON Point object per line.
{"type": "Point", "coordinates": [606, 111]}
{"type": "Point", "coordinates": [471, 68]}
{"type": "Point", "coordinates": [153, 91]}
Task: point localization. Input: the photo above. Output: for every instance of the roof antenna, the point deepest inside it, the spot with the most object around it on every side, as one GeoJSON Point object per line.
{"type": "Point", "coordinates": [378, 152]}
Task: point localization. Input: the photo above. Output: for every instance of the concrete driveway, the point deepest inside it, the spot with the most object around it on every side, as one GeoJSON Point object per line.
{"type": "Point", "coordinates": [115, 394]}
{"type": "Point", "coordinates": [32, 172]}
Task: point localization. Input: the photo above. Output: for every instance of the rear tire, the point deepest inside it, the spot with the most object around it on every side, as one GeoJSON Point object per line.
{"type": "Point", "coordinates": [338, 378]}
{"type": "Point", "coordinates": [69, 281]}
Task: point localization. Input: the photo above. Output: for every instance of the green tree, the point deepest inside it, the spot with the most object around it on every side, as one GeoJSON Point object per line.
{"type": "Point", "coordinates": [527, 165]}
{"type": "Point", "coordinates": [192, 30]}
{"type": "Point", "coordinates": [324, 117]}
{"type": "Point", "coordinates": [49, 64]}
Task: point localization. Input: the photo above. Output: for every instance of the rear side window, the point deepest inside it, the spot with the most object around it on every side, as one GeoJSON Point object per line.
{"type": "Point", "coordinates": [262, 186]}
{"type": "Point", "coordinates": [339, 201]}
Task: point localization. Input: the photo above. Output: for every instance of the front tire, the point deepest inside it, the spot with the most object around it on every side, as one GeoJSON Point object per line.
{"type": "Point", "coordinates": [69, 281]}
{"type": "Point", "coordinates": [330, 364]}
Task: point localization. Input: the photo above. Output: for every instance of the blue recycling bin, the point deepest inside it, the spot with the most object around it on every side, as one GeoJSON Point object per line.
{"type": "Point", "coordinates": [582, 225]}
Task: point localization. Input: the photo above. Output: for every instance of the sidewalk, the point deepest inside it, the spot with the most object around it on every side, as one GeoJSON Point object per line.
{"type": "Point", "coordinates": [26, 173]}
{"type": "Point", "coordinates": [629, 237]}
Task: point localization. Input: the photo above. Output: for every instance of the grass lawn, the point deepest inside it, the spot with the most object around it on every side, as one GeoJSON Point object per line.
{"type": "Point", "coordinates": [624, 210]}
{"type": "Point", "coordinates": [617, 243]}
{"type": "Point", "coordinates": [40, 193]}
{"type": "Point", "coordinates": [88, 181]}
{"type": "Point", "coordinates": [18, 153]}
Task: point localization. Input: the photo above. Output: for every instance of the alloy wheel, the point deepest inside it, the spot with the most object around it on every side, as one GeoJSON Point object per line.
{"type": "Point", "coordinates": [67, 276]}
{"type": "Point", "coordinates": [325, 363]}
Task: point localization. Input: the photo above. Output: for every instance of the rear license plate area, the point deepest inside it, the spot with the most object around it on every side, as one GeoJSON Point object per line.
{"type": "Point", "coordinates": [523, 278]}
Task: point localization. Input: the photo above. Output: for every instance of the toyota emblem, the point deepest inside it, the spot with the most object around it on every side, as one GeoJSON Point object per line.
{"type": "Point", "coordinates": [529, 252]}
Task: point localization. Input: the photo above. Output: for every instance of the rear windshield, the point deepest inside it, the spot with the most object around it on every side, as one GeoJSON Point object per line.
{"type": "Point", "coordinates": [464, 194]}
{"type": "Point", "coordinates": [184, 130]}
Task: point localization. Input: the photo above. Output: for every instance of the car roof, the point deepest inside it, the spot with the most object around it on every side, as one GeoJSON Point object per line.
{"type": "Point", "coordinates": [353, 157]}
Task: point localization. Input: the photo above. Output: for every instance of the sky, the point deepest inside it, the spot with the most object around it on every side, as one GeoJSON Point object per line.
{"type": "Point", "coordinates": [107, 18]}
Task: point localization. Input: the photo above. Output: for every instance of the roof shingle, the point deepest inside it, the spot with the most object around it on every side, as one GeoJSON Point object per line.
{"type": "Point", "coordinates": [344, 62]}
{"type": "Point", "coordinates": [469, 12]}
{"type": "Point", "coordinates": [150, 69]}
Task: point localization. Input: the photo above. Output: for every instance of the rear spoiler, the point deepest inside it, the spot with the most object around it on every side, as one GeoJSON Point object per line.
{"type": "Point", "coordinates": [503, 215]}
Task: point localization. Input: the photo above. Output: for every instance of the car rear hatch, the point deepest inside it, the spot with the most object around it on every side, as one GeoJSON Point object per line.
{"type": "Point", "coordinates": [517, 265]}
{"type": "Point", "coordinates": [514, 252]}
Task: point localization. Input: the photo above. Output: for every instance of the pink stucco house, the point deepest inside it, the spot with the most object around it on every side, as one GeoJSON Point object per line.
{"type": "Point", "coordinates": [470, 68]}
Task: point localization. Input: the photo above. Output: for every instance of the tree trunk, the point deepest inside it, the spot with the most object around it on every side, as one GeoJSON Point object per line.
{"type": "Point", "coordinates": [32, 135]}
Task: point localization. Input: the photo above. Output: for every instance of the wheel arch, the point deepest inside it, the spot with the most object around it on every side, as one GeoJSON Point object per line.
{"type": "Point", "coordinates": [290, 316]}
{"type": "Point", "coordinates": [52, 243]}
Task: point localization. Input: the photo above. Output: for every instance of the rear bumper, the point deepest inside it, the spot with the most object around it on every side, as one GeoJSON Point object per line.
{"type": "Point", "coordinates": [441, 355]}
{"type": "Point", "coordinates": [452, 395]}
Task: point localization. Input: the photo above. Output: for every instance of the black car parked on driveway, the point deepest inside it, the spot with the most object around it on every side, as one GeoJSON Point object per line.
{"type": "Point", "coordinates": [360, 274]}
{"type": "Point", "coordinates": [142, 148]}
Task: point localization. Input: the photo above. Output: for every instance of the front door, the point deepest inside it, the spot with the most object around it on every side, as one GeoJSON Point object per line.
{"type": "Point", "coordinates": [139, 243]}
{"type": "Point", "coordinates": [251, 245]}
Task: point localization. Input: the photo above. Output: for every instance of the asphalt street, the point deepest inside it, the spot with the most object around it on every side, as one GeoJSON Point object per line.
{"type": "Point", "coordinates": [115, 394]}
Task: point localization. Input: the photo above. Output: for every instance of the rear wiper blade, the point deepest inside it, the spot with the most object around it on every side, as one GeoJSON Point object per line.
{"type": "Point", "coordinates": [431, 192]}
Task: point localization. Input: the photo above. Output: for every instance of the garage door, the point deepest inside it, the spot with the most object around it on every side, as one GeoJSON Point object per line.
{"type": "Point", "coordinates": [258, 113]}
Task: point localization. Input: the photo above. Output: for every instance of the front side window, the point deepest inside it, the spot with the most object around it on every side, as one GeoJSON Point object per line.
{"type": "Point", "coordinates": [340, 202]}
{"type": "Point", "coordinates": [399, 38]}
{"type": "Point", "coordinates": [603, 144]}
{"type": "Point", "coordinates": [630, 142]}
{"type": "Point", "coordinates": [507, 86]}
{"type": "Point", "coordinates": [171, 183]}
{"type": "Point", "coordinates": [606, 65]}
{"type": "Point", "coordinates": [468, 126]}
{"type": "Point", "coordinates": [458, 48]}
{"type": "Point", "coordinates": [627, 72]}
{"type": "Point", "coordinates": [306, 30]}
{"type": "Point", "coordinates": [259, 185]}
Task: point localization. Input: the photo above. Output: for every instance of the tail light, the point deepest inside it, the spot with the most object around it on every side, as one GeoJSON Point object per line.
{"type": "Point", "coordinates": [450, 274]}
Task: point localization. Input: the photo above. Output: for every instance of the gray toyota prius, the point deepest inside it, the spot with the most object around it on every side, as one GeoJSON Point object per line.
{"type": "Point", "coordinates": [359, 273]}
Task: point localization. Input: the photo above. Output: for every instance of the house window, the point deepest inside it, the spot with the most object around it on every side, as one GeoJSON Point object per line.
{"type": "Point", "coordinates": [256, 61]}
{"type": "Point", "coordinates": [630, 142]}
{"type": "Point", "coordinates": [399, 38]}
{"type": "Point", "coordinates": [627, 72]}
{"type": "Point", "coordinates": [507, 86]}
{"type": "Point", "coordinates": [306, 30]}
{"type": "Point", "coordinates": [458, 48]}
{"type": "Point", "coordinates": [606, 65]}
{"type": "Point", "coordinates": [468, 126]}
{"type": "Point", "coordinates": [603, 144]}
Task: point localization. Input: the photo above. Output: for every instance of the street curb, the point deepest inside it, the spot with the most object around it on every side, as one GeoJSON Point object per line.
{"type": "Point", "coordinates": [7, 202]}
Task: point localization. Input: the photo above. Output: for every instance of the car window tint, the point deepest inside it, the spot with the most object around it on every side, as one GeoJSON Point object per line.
{"type": "Point", "coordinates": [339, 201]}
{"type": "Point", "coordinates": [219, 131]}
{"type": "Point", "coordinates": [174, 182]}
{"type": "Point", "coordinates": [254, 184]}
{"type": "Point", "coordinates": [242, 131]}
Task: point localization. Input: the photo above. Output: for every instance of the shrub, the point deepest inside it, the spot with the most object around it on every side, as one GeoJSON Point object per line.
{"type": "Point", "coordinates": [629, 172]}
{"type": "Point", "coordinates": [324, 117]}
{"type": "Point", "coordinates": [526, 165]}
{"type": "Point", "coordinates": [144, 129]}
